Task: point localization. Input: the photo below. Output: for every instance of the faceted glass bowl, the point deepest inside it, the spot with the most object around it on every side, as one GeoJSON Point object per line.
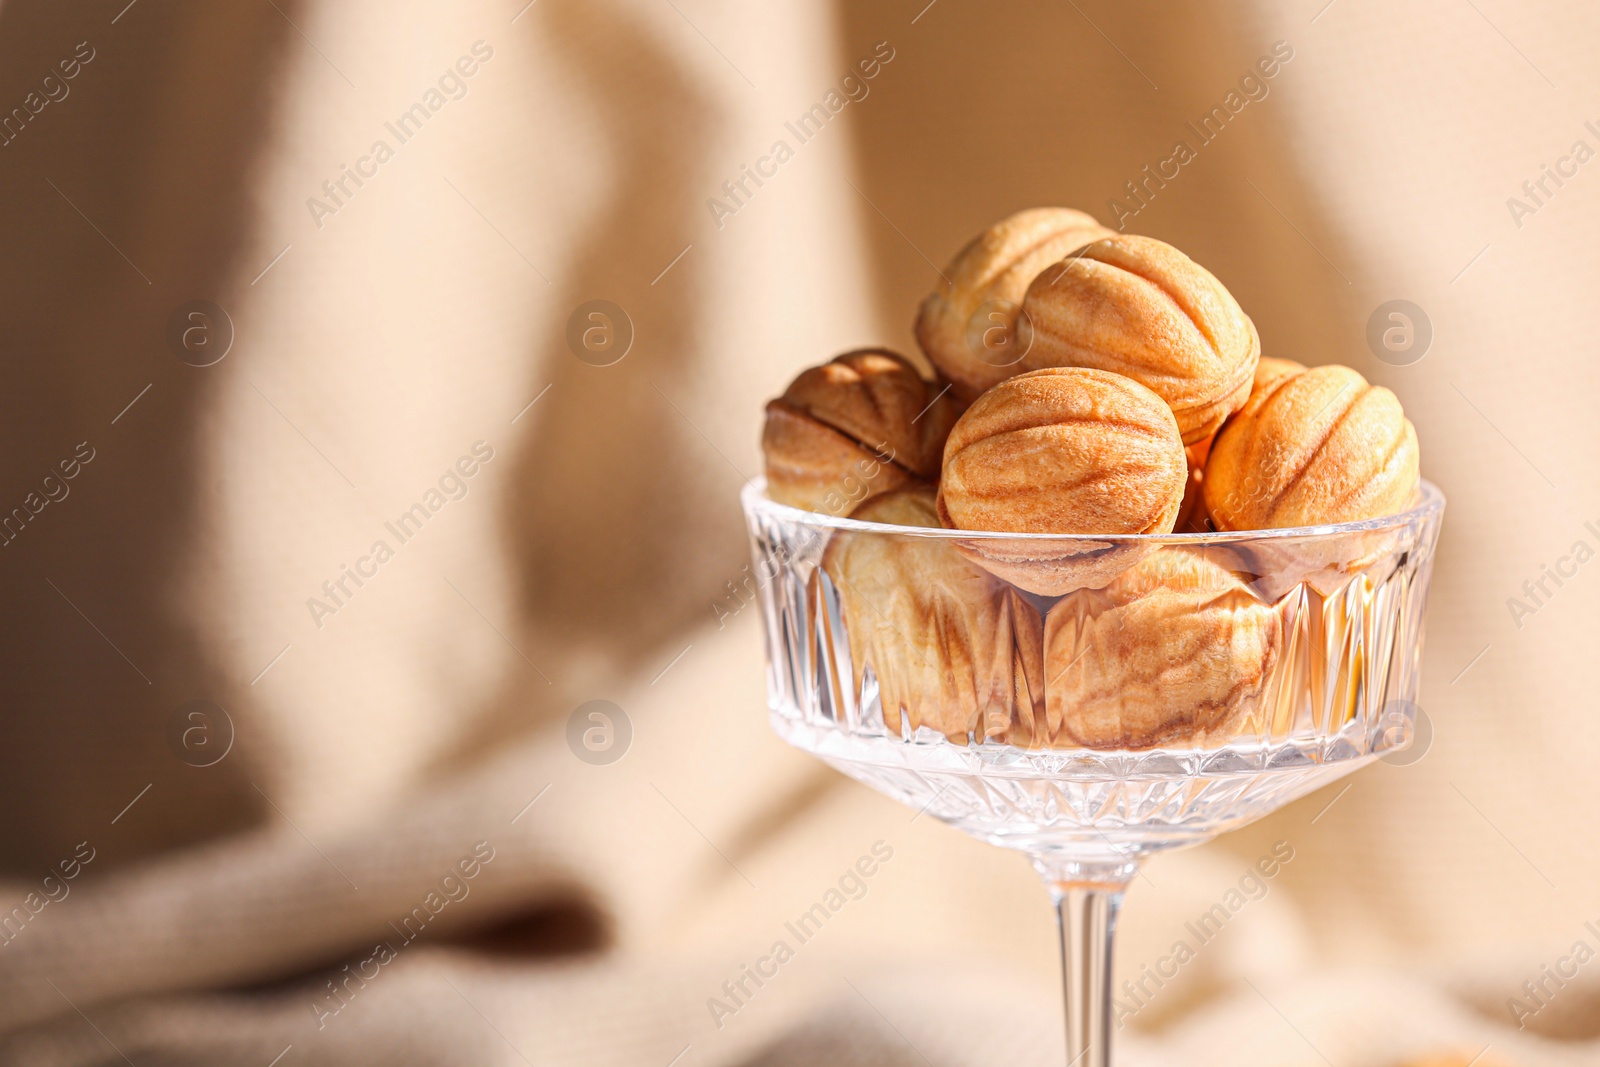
{"type": "Point", "coordinates": [1024, 687]}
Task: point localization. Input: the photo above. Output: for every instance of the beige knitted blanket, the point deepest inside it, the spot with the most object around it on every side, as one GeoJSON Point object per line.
{"type": "Point", "coordinates": [323, 538]}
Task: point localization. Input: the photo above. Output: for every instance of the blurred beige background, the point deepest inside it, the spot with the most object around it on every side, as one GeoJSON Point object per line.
{"type": "Point", "coordinates": [377, 339]}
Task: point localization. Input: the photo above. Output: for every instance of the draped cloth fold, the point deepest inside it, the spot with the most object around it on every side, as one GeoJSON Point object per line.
{"type": "Point", "coordinates": [382, 674]}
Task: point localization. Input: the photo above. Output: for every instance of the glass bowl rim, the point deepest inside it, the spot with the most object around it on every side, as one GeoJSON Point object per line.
{"type": "Point", "coordinates": [753, 496]}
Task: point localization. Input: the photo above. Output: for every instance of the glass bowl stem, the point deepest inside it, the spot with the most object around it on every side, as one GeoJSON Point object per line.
{"type": "Point", "coordinates": [1087, 895]}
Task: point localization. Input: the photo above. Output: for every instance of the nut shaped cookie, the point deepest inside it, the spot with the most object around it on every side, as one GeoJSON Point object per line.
{"type": "Point", "coordinates": [1175, 652]}
{"type": "Point", "coordinates": [1141, 308]}
{"type": "Point", "coordinates": [863, 423]}
{"type": "Point", "coordinates": [1062, 451]}
{"type": "Point", "coordinates": [1193, 516]}
{"type": "Point", "coordinates": [812, 466]}
{"type": "Point", "coordinates": [1320, 446]}
{"type": "Point", "coordinates": [967, 329]}
{"type": "Point", "coordinates": [952, 648]}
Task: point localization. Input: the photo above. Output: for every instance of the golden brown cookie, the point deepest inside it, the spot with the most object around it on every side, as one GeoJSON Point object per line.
{"type": "Point", "coordinates": [967, 329]}
{"type": "Point", "coordinates": [863, 423]}
{"type": "Point", "coordinates": [952, 648]}
{"type": "Point", "coordinates": [1320, 446]}
{"type": "Point", "coordinates": [1062, 451]}
{"type": "Point", "coordinates": [1174, 652]}
{"type": "Point", "coordinates": [1141, 308]}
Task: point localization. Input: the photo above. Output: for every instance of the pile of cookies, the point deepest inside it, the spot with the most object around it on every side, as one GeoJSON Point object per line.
{"type": "Point", "coordinates": [1088, 383]}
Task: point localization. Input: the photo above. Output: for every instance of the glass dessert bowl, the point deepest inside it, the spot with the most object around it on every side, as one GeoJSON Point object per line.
{"type": "Point", "coordinates": [1091, 699]}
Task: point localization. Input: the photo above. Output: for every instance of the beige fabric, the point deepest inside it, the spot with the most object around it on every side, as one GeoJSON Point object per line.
{"type": "Point", "coordinates": [376, 751]}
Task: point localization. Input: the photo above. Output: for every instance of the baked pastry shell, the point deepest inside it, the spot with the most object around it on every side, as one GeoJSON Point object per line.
{"type": "Point", "coordinates": [1331, 586]}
